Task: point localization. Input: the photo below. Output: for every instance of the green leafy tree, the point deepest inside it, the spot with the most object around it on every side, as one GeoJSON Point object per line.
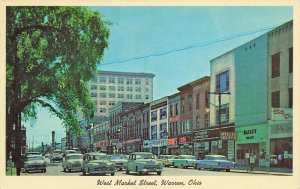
{"type": "Point", "coordinates": [52, 54]}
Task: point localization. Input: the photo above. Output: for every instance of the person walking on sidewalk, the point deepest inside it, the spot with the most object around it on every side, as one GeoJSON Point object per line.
{"type": "Point", "coordinates": [252, 161]}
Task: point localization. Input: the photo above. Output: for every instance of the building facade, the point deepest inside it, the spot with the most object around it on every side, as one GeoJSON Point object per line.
{"type": "Point", "coordinates": [101, 136]}
{"type": "Point", "coordinates": [174, 124]}
{"type": "Point", "coordinates": [109, 88]}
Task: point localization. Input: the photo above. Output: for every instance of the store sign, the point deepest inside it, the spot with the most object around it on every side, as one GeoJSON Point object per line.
{"type": "Point", "coordinates": [201, 135]}
{"type": "Point", "coordinates": [281, 130]}
{"type": "Point", "coordinates": [228, 135]}
{"type": "Point", "coordinates": [155, 143]}
{"type": "Point", "coordinates": [173, 119]}
{"type": "Point", "coordinates": [252, 134]}
{"type": "Point", "coordinates": [172, 142]}
{"type": "Point", "coordinates": [280, 114]}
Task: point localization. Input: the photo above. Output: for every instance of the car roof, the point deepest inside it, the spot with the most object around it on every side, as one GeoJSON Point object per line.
{"type": "Point", "coordinates": [95, 153]}
{"type": "Point", "coordinates": [73, 154]}
{"type": "Point", "coordinates": [35, 156]}
{"type": "Point", "coordinates": [142, 153]}
{"type": "Point", "coordinates": [215, 155]}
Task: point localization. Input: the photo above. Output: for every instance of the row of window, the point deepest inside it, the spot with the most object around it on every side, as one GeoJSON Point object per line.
{"type": "Point", "coordinates": [276, 63]}
{"type": "Point", "coordinates": [120, 88]}
{"type": "Point", "coordinates": [120, 96]}
{"type": "Point", "coordinates": [128, 81]}
{"type": "Point", "coordinates": [163, 114]}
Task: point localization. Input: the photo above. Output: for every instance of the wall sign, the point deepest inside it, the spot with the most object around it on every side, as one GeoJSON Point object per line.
{"type": "Point", "coordinates": [281, 114]}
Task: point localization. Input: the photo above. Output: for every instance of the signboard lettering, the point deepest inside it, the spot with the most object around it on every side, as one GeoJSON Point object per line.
{"type": "Point", "coordinates": [250, 131]}
{"type": "Point", "coordinates": [282, 114]}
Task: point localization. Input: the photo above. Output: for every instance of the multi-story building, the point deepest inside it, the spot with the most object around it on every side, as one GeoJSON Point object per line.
{"type": "Point", "coordinates": [174, 123]}
{"type": "Point", "coordinates": [110, 87]}
{"type": "Point", "coordinates": [132, 129]}
{"type": "Point", "coordinates": [100, 136]}
{"type": "Point", "coordinates": [280, 94]}
{"type": "Point", "coordinates": [158, 126]}
{"type": "Point", "coordinates": [116, 130]}
{"type": "Point", "coordinates": [145, 126]}
{"type": "Point", "coordinates": [221, 105]}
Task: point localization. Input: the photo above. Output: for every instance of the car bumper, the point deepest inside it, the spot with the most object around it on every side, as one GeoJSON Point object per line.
{"type": "Point", "coordinates": [35, 168]}
{"type": "Point", "coordinates": [148, 170]}
{"type": "Point", "coordinates": [102, 171]}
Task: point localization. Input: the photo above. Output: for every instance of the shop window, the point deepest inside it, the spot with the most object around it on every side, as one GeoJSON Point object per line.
{"type": "Point", "coordinates": [290, 97]}
{"type": "Point", "coordinates": [291, 60]}
{"type": "Point", "coordinates": [222, 82]}
{"type": "Point", "coordinates": [276, 65]}
{"type": "Point", "coordinates": [276, 99]}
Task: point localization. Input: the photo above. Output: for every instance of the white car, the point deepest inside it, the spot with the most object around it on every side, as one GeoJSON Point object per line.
{"type": "Point", "coordinates": [72, 162]}
{"type": "Point", "coordinates": [35, 162]}
{"type": "Point", "coordinates": [97, 163]}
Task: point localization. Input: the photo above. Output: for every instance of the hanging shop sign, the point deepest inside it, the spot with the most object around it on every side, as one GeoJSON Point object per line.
{"type": "Point", "coordinates": [280, 114]}
{"type": "Point", "coordinates": [228, 135]}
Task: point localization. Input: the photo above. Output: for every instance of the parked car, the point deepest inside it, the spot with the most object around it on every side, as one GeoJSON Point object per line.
{"type": "Point", "coordinates": [184, 161]}
{"type": "Point", "coordinates": [120, 160]}
{"type": "Point", "coordinates": [143, 162]}
{"type": "Point", "coordinates": [215, 162]}
{"type": "Point", "coordinates": [72, 162]}
{"type": "Point", "coordinates": [166, 160]}
{"type": "Point", "coordinates": [97, 163]}
{"type": "Point", "coordinates": [69, 152]}
{"type": "Point", "coordinates": [172, 160]}
{"type": "Point", "coordinates": [54, 157]}
{"type": "Point", "coordinates": [35, 162]}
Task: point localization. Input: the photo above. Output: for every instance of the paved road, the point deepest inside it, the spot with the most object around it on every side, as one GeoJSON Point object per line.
{"type": "Point", "coordinates": [55, 169]}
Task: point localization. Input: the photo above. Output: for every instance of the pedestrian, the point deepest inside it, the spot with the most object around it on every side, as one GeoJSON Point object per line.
{"type": "Point", "coordinates": [279, 160]}
{"type": "Point", "coordinates": [18, 161]}
{"type": "Point", "coordinates": [252, 161]}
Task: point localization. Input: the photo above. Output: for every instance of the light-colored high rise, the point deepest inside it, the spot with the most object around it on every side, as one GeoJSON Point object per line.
{"type": "Point", "coordinates": [111, 87]}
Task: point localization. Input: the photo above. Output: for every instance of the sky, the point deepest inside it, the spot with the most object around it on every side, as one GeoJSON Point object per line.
{"type": "Point", "coordinates": [174, 43]}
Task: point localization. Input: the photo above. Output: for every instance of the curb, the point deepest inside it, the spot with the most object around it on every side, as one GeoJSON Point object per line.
{"type": "Point", "coordinates": [262, 172]}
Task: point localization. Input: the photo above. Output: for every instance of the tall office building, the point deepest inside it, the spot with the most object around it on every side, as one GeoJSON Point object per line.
{"type": "Point", "coordinates": [110, 87]}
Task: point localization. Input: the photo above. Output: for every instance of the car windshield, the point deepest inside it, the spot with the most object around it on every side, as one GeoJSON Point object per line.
{"type": "Point", "coordinates": [118, 157]}
{"type": "Point", "coordinates": [99, 157]}
{"type": "Point", "coordinates": [55, 154]}
{"type": "Point", "coordinates": [145, 156]}
{"type": "Point", "coordinates": [167, 157]}
{"type": "Point", "coordinates": [35, 158]}
{"type": "Point", "coordinates": [220, 158]}
{"type": "Point", "coordinates": [75, 157]}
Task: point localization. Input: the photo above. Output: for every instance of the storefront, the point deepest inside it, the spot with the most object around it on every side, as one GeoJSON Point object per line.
{"type": "Point", "coordinates": [252, 139]}
{"type": "Point", "coordinates": [208, 141]}
{"type": "Point", "coordinates": [156, 146]}
{"type": "Point", "coordinates": [134, 145]}
{"type": "Point", "coordinates": [173, 148]}
{"type": "Point", "coordinates": [185, 144]}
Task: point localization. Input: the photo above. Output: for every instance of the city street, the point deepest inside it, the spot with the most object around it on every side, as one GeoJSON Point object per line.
{"type": "Point", "coordinates": [55, 169]}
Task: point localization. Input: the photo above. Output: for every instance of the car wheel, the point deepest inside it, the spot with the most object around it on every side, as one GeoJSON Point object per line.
{"type": "Point", "coordinates": [227, 170]}
{"type": "Point", "coordinates": [198, 167]}
{"type": "Point", "coordinates": [64, 169]}
{"type": "Point", "coordinates": [127, 171]}
{"type": "Point", "coordinates": [45, 171]}
{"type": "Point", "coordinates": [112, 174]}
{"type": "Point", "coordinates": [68, 169]}
{"type": "Point", "coordinates": [83, 172]}
{"type": "Point", "coordinates": [195, 166]}
{"type": "Point", "coordinates": [182, 166]}
{"type": "Point", "coordinates": [173, 164]}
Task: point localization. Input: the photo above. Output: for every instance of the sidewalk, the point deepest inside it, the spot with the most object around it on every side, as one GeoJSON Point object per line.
{"type": "Point", "coordinates": [264, 170]}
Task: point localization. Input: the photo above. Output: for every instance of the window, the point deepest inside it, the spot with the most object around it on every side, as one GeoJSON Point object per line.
{"type": "Point", "coordinates": [102, 79]}
{"type": "Point", "coordinates": [182, 104]}
{"type": "Point", "coordinates": [198, 121]}
{"type": "Point", "coordinates": [112, 95]}
{"type": "Point", "coordinates": [224, 114]}
{"type": "Point", "coordinates": [111, 103]}
{"type": "Point", "coordinates": [112, 88]}
{"type": "Point", "coordinates": [94, 94]}
{"type": "Point", "coordinates": [176, 109]}
{"type": "Point", "coordinates": [111, 80]}
{"type": "Point", "coordinates": [138, 97]}
{"type": "Point", "coordinates": [102, 110]}
{"type": "Point", "coordinates": [138, 89]}
{"type": "Point", "coordinates": [276, 99]}
{"type": "Point", "coordinates": [102, 87]}
{"type": "Point", "coordinates": [120, 88]}
{"type": "Point", "coordinates": [291, 60]}
{"type": "Point", "coordinates": [163, 131]}
{"type": "Point", "coordinates": [171, 110]}
{"type": "Point", "coordinates": [206, 98]}
{"type": "Point", "coordinates": [129, 81]}
{"type": "Point", "coordinates": [197, 101]}
{"type": "Point", "coordinates": [138, 81]}
{"type": "Point", "coordinates": [129, 88]}
{"type": "Point", "coordinates": [190, 102]}
{"type": "Point", "coordinates": [129, 96]}
{"type": "Point", "coordinates": [163, 113]}
{"type": "Point", "coordinates": [147, 97]}
{"type": "Point", "coordinates": [186, 125]}
{"type": "Point", "coordinates": [154, 132]}
{"type": "Point", "coordinates": [222, 81]}
{"type": "Point", "coordinates": [290, 97]}
{"type": "Point", "coordinates": [154, 116]}
{"type": "Point", "coordinates": [206, 122]}
{"type": "Point", "coordinates": [102, 102]}
{"type": "Point", "coordinates": [120, 95]}
{"type": "Point", "coordinates": [276, 65]}
{"type": "Point", "coordinates": [120, 80]}
{"type": "Point", "coordinates": [94, 87]}
{"type": "Point", "coordinates": [103, 95]}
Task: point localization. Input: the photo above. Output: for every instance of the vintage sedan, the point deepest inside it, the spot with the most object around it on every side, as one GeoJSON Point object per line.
{"type": "Point", "coordinates": [143, 162]}
{"type": "Point", "coordinates": [120, 161]}
{"type": "Point", "coordinates": [56, 157]}
{"type": "Point", "coordinates": [35, 162]}
{"type": "Point", "coordinates": [72, 162]}
{"type": "Point", "coordinates": [97, 163]}
{"type": "Point", "coordinates": [167, 160]}
{"type": "Point", "coordinates": [184, 161]}
{"type": "Point", "coordinates": [215, 162]}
